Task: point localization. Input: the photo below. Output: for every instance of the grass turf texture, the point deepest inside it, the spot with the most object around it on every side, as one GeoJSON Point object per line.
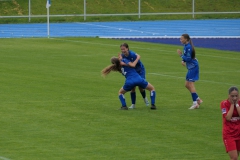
{"type": "Point", "coordinates": [76, 7]}
{"type": "Point", "coordinates": [55, 104]}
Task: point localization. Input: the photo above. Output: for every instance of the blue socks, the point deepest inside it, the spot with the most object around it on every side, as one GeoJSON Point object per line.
{"type": "Point", "coordinates": [122, 100]}
{"type": "Point", "coordinates": [152, 96]}
{"type": "Point", "coordinates": [143, 94]}
{"type": "Point", "coordinates": [133, 97]}
{"type": "Point", "coordinates": [194, 96]}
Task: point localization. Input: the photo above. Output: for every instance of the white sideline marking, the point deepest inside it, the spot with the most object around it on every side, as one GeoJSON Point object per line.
{"type": "Point", "coordinates": [71, 55]}
{"type": "Point", "coordinates": [162, 51]}
{"type": "Point", "coordinates": [4, 158]}
{"type": "Point", "coordinates": [123, 29]}
{"type": "Point", "coordinates": [165, 75]}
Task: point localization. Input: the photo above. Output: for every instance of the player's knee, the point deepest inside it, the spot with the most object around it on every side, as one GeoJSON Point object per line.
{"type": "Point", "coordinates": [121, 91]}
{"type": "Point", "coordinates": [150, 87]}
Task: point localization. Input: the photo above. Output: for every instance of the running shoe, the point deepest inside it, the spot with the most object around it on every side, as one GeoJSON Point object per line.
{"type": "Point", "coordinates": [194, 106]}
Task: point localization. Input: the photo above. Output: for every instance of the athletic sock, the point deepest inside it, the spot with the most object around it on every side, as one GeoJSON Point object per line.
{"type": "Point", "coordinates": [143, 93]}
{"type": "Point", "coordinates": [133, 97]}
{"type": "Point", "coordinates": [195, 102]}
{"type": "Point", "coordinates": [152, 96]}
{"type": "Point", "coordinates": [194, 96]}
{"type": "Point", "coordinates": [122, 100]}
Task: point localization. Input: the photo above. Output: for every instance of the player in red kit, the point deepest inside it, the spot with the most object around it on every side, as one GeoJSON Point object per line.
{"type": "Point", "coordinates": [231, 123]}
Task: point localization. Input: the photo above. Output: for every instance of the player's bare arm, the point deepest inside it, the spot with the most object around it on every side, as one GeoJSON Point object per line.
{"type": "Point", "coordinates": [133, 64]}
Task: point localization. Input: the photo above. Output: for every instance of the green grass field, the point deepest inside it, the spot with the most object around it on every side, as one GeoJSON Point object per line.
{"type": "Point", "coordinates": [56, 106]}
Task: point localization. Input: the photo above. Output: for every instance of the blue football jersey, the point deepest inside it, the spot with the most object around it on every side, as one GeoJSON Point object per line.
{"type": "Point", "coordinates": [132, 57]}
{"type": "Point", "coordinates": [128, 71]}
{"type": "Point", "coordinates": [187, 57]}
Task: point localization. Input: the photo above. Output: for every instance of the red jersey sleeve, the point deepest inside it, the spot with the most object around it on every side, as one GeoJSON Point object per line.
{"type": "Point", "coordinates": [224, 108]}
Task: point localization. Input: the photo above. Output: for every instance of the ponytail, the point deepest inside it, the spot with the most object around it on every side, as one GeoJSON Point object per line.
{"type": "Point", "coordinates": [115, 66]}
{"type": "Point", "coordinates": [186, 36]}
{"type": "Point", "coordinates": [193, 50]}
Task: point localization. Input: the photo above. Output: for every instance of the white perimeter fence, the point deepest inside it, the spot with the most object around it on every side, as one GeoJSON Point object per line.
{"type": "Point", "coordinates": [139, 14]}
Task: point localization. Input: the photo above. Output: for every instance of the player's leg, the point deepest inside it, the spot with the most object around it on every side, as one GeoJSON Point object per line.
{"type": "Point", "coordinates": [142, 90]}
{"type": "Point", "coordinates": [128, 86]}
{"type": "Point", "coordinates": [143, 93]}
{"type": "Point", "coordinates": [144, 84]}
{"type": "Point", "coordinates": [152, 95]}
{"type": "Point", "coordinates": [191, 77]}
{"type": "Point", "coordinates": [238, 147]}
{"type": "Point", "coordinates": [232, 147]}
{"type": "Point", "coordinates": [233, 155]}
{"type": "Point", "coordinates": [122, 99]}
{"type": "Point", "coordinates": [133, 98]}
{"type": "Point", "coordinates": [190, 86]}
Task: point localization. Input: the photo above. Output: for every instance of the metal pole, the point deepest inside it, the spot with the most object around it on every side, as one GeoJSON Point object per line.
{"type": "Point", "coordinates": [193, 7]}
{"type": "Point", "coordinates": [48, 26]}
{"type": "Point", "coordinates": [84, 10]}
{"type": "Point", "coordinates": [29, 10]}
{"type": "Point", "coordinates": [139, 8]}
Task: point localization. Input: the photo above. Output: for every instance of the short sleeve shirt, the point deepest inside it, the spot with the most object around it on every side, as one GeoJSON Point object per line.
{"type": "Point", "coordinates": [231, 129]}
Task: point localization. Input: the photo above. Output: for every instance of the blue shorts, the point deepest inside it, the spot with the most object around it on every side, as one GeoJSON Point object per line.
{"type": "Point", "coordinates": [193, 74]}
{"type": "Point", "coordinates": [132, 82]}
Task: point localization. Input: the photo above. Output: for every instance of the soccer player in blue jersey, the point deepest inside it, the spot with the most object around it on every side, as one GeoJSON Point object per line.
{"type": "Point", "coordinates": [132, 56]}
{"type": "Point", "coordinates": [189, 60]}
{"type": "Point", "coordinates": [133, 79]}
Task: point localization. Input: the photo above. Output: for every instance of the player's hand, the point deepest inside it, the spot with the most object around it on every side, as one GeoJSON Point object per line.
{"type": "Point", "coordinates": [120, 56]}
{"type": "Point", "coordinates": [236, 101]}
{"type": "Point", "coordinates": [233, 101]}
{"type": "Point", "coordinates": [179, 52]}
{"type": "Point", "coordinates": [138, 56]}
{"type": "Point", "coordinates": [183, 63]}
